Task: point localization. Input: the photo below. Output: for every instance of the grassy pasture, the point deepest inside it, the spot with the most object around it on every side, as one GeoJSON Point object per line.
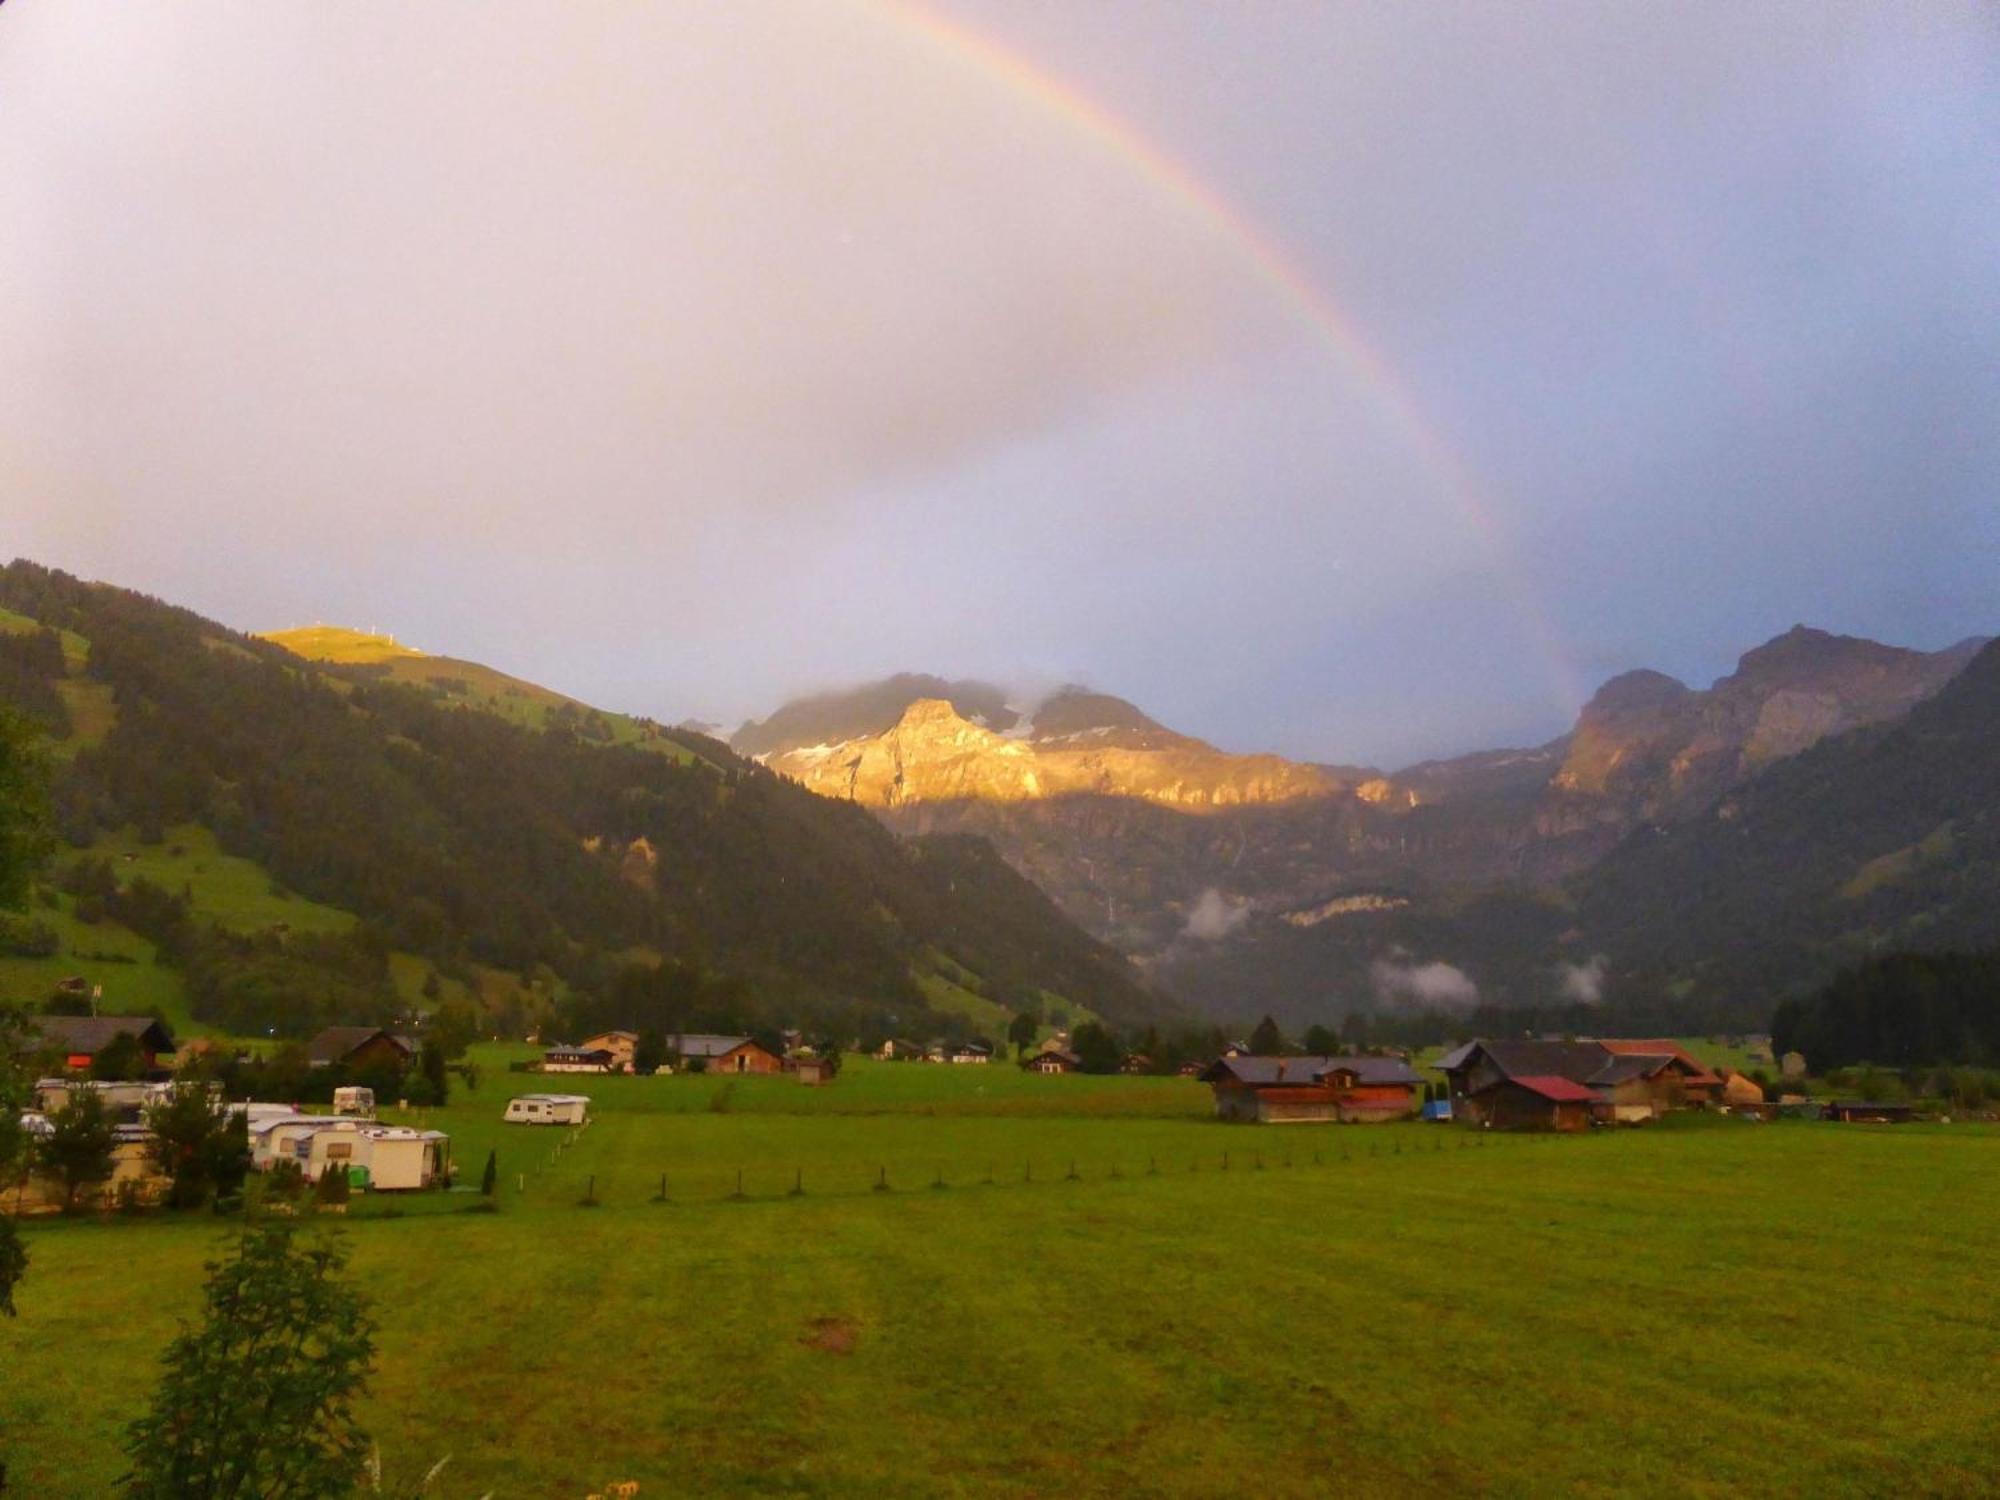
{"type": "Point", "coordinates": [1700, 1308]}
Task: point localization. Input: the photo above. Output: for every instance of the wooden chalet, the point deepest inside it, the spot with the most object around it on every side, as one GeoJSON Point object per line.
{"type": "Point", "coordinates": [724, 1054]}
{"type": "Point", "coordinates": [1052, 1060]}
{"type": "Point", "coordinates": [1313, 1090]}
{"type": "Point", "coordinates": [78, 1039]}
{"type": "Point", "coordinates": [622, 1045]}
{"type": "Point", "coordinates": [1627, 1082]}
{"type": "Point", "coordinates": [1698, 1084]}
{"type": "Point", "coordinates": [360, 1047]}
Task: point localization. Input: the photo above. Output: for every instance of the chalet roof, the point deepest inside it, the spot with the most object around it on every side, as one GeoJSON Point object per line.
{"type": "Point", "coordinates": [1305, 1072]}
{"type": "Point", "coordinates": [93, 1033]}
{"type": "Point", "coordinates": [1059, 1054]}
{"type": "Point", "coordinates": [1558, 1090]}
{"type": "Point", "coordinates": [1697, 1072]}
{"type": "Point", "coordinates": [337, 1043]}
{"type": "Point", "coordinates": [1623, 1069]}
{"type": "Point", "coordinates": [1456, 1058]}
{"type": "Point", "coordinates": [1575, 1061]}
{"type": "Point", "coordinates": [705, 1044]}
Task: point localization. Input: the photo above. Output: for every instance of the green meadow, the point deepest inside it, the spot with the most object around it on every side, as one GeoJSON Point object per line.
{"type": "Point", "coordinates": [970, 1281]}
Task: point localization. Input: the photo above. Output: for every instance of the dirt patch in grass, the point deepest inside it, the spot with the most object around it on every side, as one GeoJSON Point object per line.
{"type": "Point", "coordinates": [831, 1335]}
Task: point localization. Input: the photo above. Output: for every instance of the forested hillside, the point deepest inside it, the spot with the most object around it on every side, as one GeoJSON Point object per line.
{"type": "Point", "coordinates": [463, 838]}
{"type": "Point", "coordinates": [1883, 838]}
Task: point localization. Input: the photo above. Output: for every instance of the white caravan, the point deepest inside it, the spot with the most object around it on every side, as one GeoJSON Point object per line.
{"type": "Point", "coordinates": [548, 1109]}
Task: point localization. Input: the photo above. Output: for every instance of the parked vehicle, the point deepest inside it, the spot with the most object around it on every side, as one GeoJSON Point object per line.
{"type": "Point", "coordinates": [548, 1109]}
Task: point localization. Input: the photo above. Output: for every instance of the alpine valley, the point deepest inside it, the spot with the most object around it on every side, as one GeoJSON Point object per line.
{"type": "Point", "coordinates": [1606, 866]}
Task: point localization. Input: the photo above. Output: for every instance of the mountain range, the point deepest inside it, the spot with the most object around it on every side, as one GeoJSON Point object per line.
{"type": "Point", "coordinates": [1252, 882]}
{"type": "Point", "coordinates": [414, 823]}
{"type": "Point", "coordinates": [926, 853]}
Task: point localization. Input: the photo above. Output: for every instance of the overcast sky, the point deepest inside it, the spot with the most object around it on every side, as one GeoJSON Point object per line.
{"type": "Point", "coordinates": [687, 356]}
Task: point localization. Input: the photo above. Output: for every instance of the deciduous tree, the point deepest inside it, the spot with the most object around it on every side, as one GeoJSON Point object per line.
{"type": "Point", "coordinates": [258, 1399]}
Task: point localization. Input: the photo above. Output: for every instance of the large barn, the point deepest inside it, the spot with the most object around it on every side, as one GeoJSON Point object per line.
{"type": "Point", "coordinates": [1312, 1090]}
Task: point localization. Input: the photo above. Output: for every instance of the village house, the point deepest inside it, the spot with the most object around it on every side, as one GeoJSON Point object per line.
{"type": "Point", "coordinates": [724, 1054]}
{"type": "Point", "coordinates": [898, 1050]}
{"type": "Point", "coordinates": [1052, 1060]}
{"type": "Point", "coordinates": [1312, 1090]}
{"type": "Point", "coordinates": [620, 1044]}
{"type": "Point", "coordinates": [1628, 1082]}
{"type": "Point", "coordinates": [360, 1047]}
{"type": "Point", "coordinates": [1696, 1082]}
{"type": "Point", "coordinates": [974, 1053]}
{"type": "Point", "coordinates": [78, 1039]}
{"type": "Point", "coordinates": [1135, 1063]}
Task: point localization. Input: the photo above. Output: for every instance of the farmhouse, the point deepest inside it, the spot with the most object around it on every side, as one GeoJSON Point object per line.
{"type": "Point", "coordinates": [577, 1060]}
{"type": "Point", "coordinates": [359, 1047]}
{"type": "Point", "coordinates": [1312, 1090]}
{"type": "Point", "coordinates": [620, 1044]}
{"type": "Point", "coordinates": [1698, 1084]}
{"type": "Point", "coordinates": [1136, 1063]}
{"type": "Point", "coordinates": [975, 1053]}
{"type": "Point", "coordinates": [725, 1054]}
{"type": "Point", "coordinates": [898, 1050]}
{"type": "Point", "coordinates": [1053, 1060]}
{"type": "Point", "coordinates": [80, 1038]}
{"type": "Point", "coordinates": [1628, 1081]}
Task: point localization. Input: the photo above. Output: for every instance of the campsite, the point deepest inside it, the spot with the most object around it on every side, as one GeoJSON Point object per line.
{"type": "Point", "coordinates": [1160, 1303]}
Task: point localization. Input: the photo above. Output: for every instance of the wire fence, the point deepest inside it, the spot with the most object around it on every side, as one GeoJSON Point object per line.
{"type": "Point", "coordinates": [775, 1182]}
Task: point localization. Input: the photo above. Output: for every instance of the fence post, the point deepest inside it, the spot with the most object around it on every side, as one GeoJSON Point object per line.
{"type": "Point", "coordinates": [798, 1182]}
{"type": "Point", "coordinates": [882, 1180]}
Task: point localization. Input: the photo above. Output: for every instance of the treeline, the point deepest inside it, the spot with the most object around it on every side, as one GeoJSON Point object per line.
{"type": "Point", "coordinates": [31, 664]}
{"type": "Point", "coordinates": [461, 837]}
{"type": "Point", "coordinates": [1900, 1010]}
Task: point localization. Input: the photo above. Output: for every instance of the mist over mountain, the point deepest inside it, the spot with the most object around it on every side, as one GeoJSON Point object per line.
{"type": "Point", "coordinates": [1250, 882]}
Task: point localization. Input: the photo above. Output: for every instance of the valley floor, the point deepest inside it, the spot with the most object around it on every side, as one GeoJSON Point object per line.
{"type": "Point", "coordinates": [1705, 1307]}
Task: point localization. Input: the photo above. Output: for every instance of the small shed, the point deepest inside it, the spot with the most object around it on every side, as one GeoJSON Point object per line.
{"type": "Point", "coordinates": [813, 1071]}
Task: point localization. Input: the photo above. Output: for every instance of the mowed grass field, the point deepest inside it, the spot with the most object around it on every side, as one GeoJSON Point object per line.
{"type": "Point", "coordinates": [1706, 1307]}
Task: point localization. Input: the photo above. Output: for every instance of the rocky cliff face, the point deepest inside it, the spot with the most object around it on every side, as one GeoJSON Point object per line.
{"type": "Point", "coordinates": [1161, 843]}
{"type": "Point", "coordinates": [1077, 744]}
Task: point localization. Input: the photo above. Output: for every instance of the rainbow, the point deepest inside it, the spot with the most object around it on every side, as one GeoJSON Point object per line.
{"type": "Point", "coordinates": [1277, 269]}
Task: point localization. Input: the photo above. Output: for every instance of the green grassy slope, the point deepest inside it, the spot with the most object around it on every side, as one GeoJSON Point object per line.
{"type": "Point", "coordinates": [1700, 1310]}
{"type": "Point", "coordinates": [470, 684]}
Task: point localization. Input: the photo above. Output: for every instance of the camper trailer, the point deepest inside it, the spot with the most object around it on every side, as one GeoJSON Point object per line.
{"type": "Point", "coordinates": [548, 1109]}
{"type": "Point", "coordinates": [354, 1100]}
{"type": "Point", "coordinates": [398, 1157]}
